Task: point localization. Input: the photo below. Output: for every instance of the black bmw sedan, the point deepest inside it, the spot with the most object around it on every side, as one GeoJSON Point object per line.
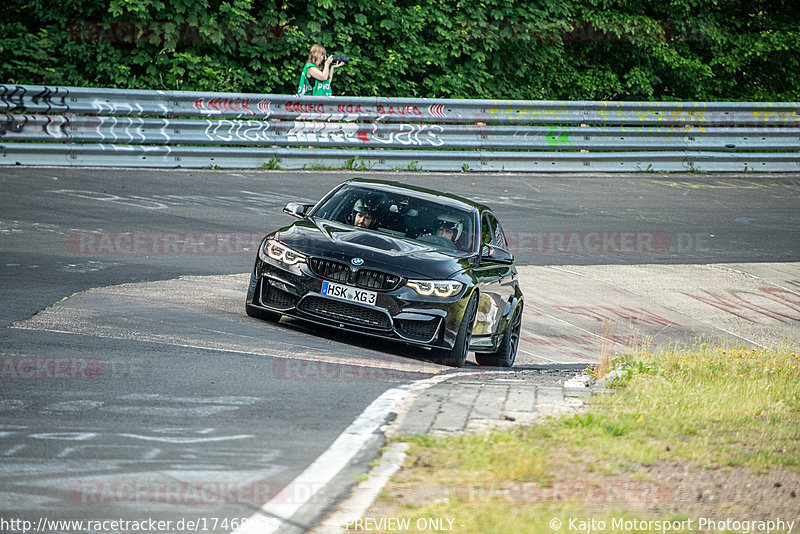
{"type": "Point", "coordinates": [397, 262]}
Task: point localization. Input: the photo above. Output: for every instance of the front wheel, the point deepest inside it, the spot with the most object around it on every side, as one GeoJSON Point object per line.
{"type": "Point", "coordinates": [457, 356]}
{"type": "Point", "coordinates": [507, 351]}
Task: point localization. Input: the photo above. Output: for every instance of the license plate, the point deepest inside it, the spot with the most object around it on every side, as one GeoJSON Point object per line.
{"type": "Point", "coordinates": [352, 294]}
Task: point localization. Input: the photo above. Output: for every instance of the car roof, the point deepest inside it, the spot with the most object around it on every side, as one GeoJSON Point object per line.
{"type": "Point", "coordinates": [421, 192]}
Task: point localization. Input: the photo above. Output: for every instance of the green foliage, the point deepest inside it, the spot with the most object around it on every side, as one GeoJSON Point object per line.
{"type": "Point", "coordinates": [546, 49]}
{"type": "Point", "coordinates": [603, 424]}
{"type": "Point", "coordinates": [357, 164]}
{"type": "Point", "coordinates": [272, 164]}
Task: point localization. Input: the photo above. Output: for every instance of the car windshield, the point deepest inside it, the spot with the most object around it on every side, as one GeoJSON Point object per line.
{"type": "Point", "coordinates": [395, 213]}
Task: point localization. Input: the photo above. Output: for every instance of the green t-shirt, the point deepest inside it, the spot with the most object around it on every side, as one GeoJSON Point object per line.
{"type": "Point", "coordinates": [320, 88]}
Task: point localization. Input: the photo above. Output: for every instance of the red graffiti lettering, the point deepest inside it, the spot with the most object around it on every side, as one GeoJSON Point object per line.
{"type": "Point", "coordinates": [350, 108]}
{"type": "Point", "coordinates": [236, 105]}
{"type": "Point", "coordinates": [300, 107]}
{"type": "Point", "coordinates": [392, 110]}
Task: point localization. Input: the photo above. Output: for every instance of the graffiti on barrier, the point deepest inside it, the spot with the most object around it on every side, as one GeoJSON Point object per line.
{"type": "Point", "coordinates": [554, 138]}
{"type": "Point", "coordinates": [312, 131]}
{"type": "Point", "coordinates": [114, 108]}
{"type": "Point", "coordinates": [529, 114]}
{"type": "Point", "coordinates": [238, 130]}
{"type": "Point", "coordinates": [19, 99]}
{"type": "Point", "coordinates": [348, 132]}
{"type": "Point", "coordinates": [56, 127]}
{"type": "Point", "coordinates": [409, 134]}
{"type": "Point", "coordinates": [219, 105]}
{"type": "Point", "coordinates": [319, 112]}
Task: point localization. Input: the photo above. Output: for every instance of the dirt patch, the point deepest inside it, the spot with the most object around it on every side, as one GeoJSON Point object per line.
{"type": "Point", "coordinates": [728, 492]}
{"type": "Point", "coordinates": [660, 490]}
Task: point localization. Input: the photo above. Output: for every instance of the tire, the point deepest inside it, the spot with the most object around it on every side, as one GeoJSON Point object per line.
{"type": "Point", "coordinates": [507, 351]}
{"type": "Point", "coordinates": [457, 356]}
{"type": "Point", "coordinates": [258, 313]}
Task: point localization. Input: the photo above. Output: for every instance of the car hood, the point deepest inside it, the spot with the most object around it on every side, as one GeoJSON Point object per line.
{"type": "Point", "coordinates": [409, 259]}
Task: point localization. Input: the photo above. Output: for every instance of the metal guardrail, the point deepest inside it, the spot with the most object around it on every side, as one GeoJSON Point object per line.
{"type": "Point", "coordinates": [114, 127]}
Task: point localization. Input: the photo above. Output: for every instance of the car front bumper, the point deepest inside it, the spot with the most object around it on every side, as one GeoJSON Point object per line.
{"type": "Point", "coordinates": [400, 314]}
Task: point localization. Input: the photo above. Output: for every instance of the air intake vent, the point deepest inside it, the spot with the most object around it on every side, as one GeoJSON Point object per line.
{"type": "Point", "coordinates": [345, 312]}
{"type": "Point", "coordinates": [277, 298]}
{"type": "Point", "coordinates": [418, 330]}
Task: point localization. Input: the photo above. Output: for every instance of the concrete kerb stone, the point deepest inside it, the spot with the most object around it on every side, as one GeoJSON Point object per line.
{"type": "Point", "coordinates": [476, 402]}
{"type": "Point", "coordinates": [519, 401]}
{"type": "Point", "coordinates": [613, 375]}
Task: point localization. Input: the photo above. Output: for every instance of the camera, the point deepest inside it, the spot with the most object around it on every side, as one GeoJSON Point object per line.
{"type": "Point", "coordinates": [340, 59]}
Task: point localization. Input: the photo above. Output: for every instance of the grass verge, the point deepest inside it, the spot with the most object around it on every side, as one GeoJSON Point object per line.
{"type": "Point", "coordinates": [690, 436]}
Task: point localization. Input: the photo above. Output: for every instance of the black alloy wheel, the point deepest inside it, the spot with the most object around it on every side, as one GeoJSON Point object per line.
{"type": "Point", "coordinates": [457, 356]}
{"type": "Point", "coordinates": [507, 351]}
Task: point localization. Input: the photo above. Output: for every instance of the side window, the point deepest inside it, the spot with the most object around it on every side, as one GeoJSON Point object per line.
{"type": "Point", "coordinates": [499, 236]}
{"type": "Point", "coordinates": [487, 232]}
{"type": "Point", "coordinates": [495, 234]}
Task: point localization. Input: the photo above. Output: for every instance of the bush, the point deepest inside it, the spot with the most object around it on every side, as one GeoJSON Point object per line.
{"type": "Point", "coordinates": [582, 50]}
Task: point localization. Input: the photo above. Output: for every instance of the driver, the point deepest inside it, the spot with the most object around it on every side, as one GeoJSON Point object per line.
{"type": "Point", "coordinates": [365, 213]}
{"type": "Point", "coordinates": [449, 226]}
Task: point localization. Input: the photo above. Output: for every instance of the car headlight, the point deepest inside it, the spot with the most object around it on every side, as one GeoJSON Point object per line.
{"type": "Point", "coordinates": [280, 252]}
{"type": "Point", "coordinates": [439, 288]}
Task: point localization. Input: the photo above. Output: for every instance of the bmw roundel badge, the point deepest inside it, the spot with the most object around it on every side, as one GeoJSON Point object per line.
{"type": "Point", "coordinates": [357, 261]}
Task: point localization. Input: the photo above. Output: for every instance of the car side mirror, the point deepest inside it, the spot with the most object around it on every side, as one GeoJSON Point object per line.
{"type": "Point", "coordinates": [496, 254]}
{"type": "Point", "coordinates": [297, 209]}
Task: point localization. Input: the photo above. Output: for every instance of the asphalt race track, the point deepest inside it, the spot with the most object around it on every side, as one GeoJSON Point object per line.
{"type": "Point", "coordinates": [134, 386]}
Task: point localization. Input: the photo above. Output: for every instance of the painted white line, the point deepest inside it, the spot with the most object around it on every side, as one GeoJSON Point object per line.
{"type": "Point", "coordinates": [567, 271]}
{"type": "Point", "coordinates": [541, 357]}
{"type": "Point", "coordinates": [275, 515]}
{"type": "Point", "coordinates": [367, 491]}
{"type": "Point", "coordinates": [180, 440]}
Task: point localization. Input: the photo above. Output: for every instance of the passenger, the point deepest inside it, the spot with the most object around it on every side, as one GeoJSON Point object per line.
{"type": "Point", "coordinates": [449, 226]}
{"type": "Point", "coordinates": [398, 216]}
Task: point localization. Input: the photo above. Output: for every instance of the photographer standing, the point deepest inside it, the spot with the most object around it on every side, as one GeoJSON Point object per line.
{"type": "Point", "coordinates": [313, 70]}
